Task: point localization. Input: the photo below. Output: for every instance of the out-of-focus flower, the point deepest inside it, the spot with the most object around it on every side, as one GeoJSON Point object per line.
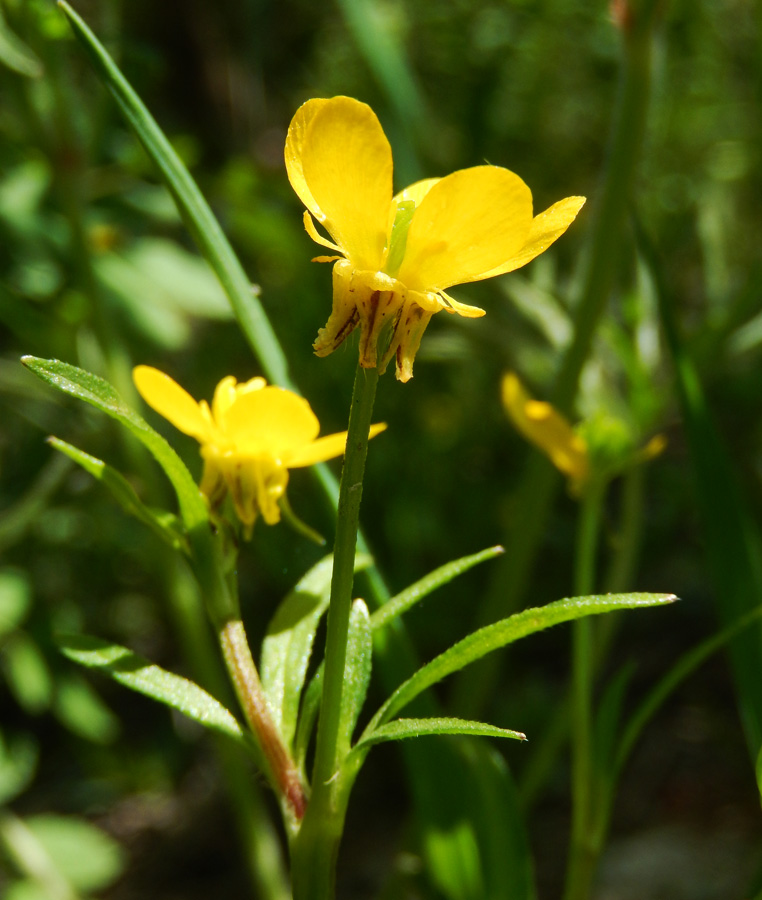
{"type": "Point", "coordinates": [250, 437]}
{"type": "Point", "coordinates": [545, 427]}
{"type": "Point", "coordinates": [399, 254]}
{"type": "Point", "coordinates": [602, 447]}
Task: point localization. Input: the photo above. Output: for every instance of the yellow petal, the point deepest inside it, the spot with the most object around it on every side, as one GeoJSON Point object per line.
{"type": "Point", "coordinates": [166, 396]}
{"type": "Point", "coordinates": [228, 390]}
{"type": "Point", "coordinates": [297, 131]}
{"type": "Point", "coordinates": [547, 429]}
{"type": "Point", "coordinates": [545, 229]}
{"type": "Point", "coordinates": [467, 224]}
{"type": "Point", "coordinates": [416, 191]}
{"type": "Point", "coordinates": [224, 395]}
{"type": "Point", "coordinates": [341, 166]}
{"type": "Point", "coordinates": [270, 421]}
{"type": "Point", "coordinates": [325, 448]}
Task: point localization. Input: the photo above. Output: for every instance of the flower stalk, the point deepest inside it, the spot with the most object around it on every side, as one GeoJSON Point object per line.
{"type": "Point", "coordinates": [315, 848]}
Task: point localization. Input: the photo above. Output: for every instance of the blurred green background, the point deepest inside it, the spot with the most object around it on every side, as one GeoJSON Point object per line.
{"type": "Point", "coordinates": [97, 269]}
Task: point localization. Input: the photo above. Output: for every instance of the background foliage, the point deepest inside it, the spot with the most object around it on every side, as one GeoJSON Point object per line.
{"type": "Point", "coordinates": [96, 269]}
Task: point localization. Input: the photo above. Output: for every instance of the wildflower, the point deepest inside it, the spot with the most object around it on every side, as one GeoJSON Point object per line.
{"type": "Point", "coordinates": [603, 446]}
{"type": "Point", "coordinates": [542, 425]}
{"type": "Point", "coordinates": [397, 255]}
{"type": "Point", "coordinates": [250, 437]}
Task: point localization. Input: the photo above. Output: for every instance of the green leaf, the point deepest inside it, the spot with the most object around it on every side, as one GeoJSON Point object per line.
{"type": "Point", "coordinates": [307, 719]}
{"type": "Point", "coordinates": [15, 599]}
{"type": "Point", "coordinates": [505, 854]}
{"type": "Point", "coordinates": [140, 675]}
{"type": "Point", "coordinates": [287, 646]}
{"type": "Point", "coordinates": [410, 728]}
{"type": "Point", "coordinates": [161, 286]}
{"type": "Point", "coordinates": [357, 671]}
{"type": "Point", "coordinates": [198, 217]}
{"type": "Point", "coordinates": [411, 595]}
{"type": "Point", "coordinates": [27, 673]}
{"type": "Point", "coordinates": [162, 523]}
{"type": "Point", "coordinates": [82, 711]}
{"type": "Point", "coordinates": [100, 394]}
{"type": "Point", "coordinates": [506, 631]}
{"type": "Point", "coordinates": [15, 54]}
{"type": "Point", "coordinates": [87, 857]}
{"type": "Point", "coordinates": [18, 763]}
{"type": "Point", "coordinates": [27, 890]}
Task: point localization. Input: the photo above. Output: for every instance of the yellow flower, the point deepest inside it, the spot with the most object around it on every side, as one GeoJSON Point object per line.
{"type": "Point", "coordinates": [250, 437]}
{"type": "Point", "coordinates": [605, 449]}
{"type": "Point", "coordinates": [399, 254]}
{"type": "Point", "coordinates": [548, 430]}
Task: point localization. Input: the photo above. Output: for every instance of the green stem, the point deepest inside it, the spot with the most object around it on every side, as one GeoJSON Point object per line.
{"type": "Point", "coordinates": [583, 851]}
{"type": "Point", "coordinates": [315, 849]}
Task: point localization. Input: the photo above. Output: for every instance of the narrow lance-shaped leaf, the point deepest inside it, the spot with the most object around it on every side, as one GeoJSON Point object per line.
{"type": "Point", "coordinates": [505, 632]}
{"type": "Point", "coordinates": [100, 394]}
{"type": "Point", "coordinates": [356, 674]}
{"type": "Point", "coordinates": [403, 601]}
{"type": "Point", "coordinates": [164, 524]}
{"type": "Point", "coordinates": [400, 729]}
{"type": "Point", "coordinates": [137, 673]}
{"type": "Point", "coordinates": [287, 646]}
{"type": "Point", "coordinates": [307, 719]}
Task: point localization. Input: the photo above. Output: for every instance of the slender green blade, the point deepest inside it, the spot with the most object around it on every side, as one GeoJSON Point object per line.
{"type": "Point", "coordinates": [100, 394]}
{"type": "Point", "coordinates": [288, 643]}
{"type": "Point", "coordinates": [307, 719]}
{"type": "Point", "coordinates": [400, 729]}
{"type": "Point", "coordinates": [504, 850]}
{"type": "Point", "coordinates": [198, 217]}
{"type": "Point", "coordinates": [356, 673]}
{"type": "Point", "coordinates": [403, 601]}
{"type": "Point", "coordinates": [162, 523]}
{"type": "Point", "coordinates": [137, 673]}
{"type": "Point", "coordinates": [500, 634]}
